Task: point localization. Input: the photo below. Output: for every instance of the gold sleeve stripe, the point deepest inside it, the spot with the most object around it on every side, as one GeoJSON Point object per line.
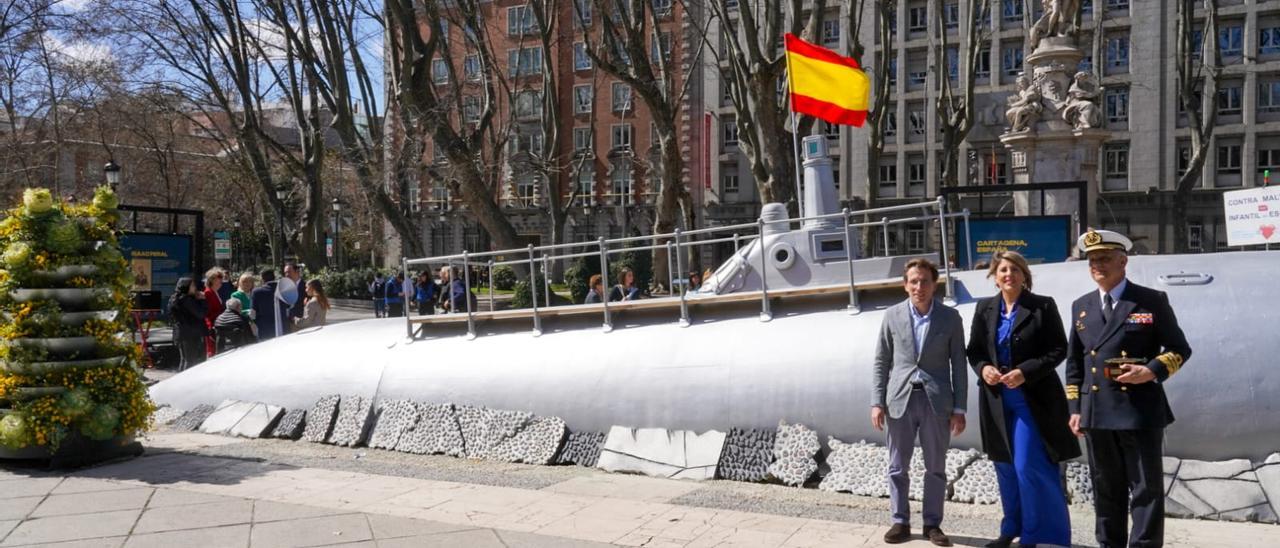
{"type": "Point", "coordinates": [1172, 361]}
{"type": "Point", "coordinates": [1073, 392]}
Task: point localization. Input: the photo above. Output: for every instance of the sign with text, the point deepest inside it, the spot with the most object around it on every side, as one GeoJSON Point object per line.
{"type": "Point", "coordinates": [1253, 216]}
{"type": "Point", "coordinates": [222, 249]}
{"type": "Point", "coordinates": [157, 260]}
{"type": "Point", "coordinates": [1040, 239]}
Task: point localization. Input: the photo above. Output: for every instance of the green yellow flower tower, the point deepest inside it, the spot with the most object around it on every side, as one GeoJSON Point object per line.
{"type": "Point", "coordinates": [69, 382]}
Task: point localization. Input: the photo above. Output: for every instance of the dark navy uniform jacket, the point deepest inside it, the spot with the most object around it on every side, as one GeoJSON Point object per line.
{"type": "Point", "coordinates": [1142, 325]}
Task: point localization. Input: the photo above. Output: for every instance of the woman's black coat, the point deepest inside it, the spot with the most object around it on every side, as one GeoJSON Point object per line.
{"type": "Point", "coordinates": [1039, 344]}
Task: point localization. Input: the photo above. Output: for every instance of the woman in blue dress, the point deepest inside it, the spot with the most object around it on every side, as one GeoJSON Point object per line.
{"type": "Point", "coordinates": [1015, 344]}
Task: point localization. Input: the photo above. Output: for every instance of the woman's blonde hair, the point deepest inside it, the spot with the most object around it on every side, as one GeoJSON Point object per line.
{"type": "Point", "coordinates": [1014, 257]}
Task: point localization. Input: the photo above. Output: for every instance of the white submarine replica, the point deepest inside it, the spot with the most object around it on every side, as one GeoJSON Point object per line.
{"type": "Point", "coordinates": [784, 330]}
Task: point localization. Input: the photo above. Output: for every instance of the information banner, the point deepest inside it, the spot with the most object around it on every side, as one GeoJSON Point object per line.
{"type": "Point", "coordinates": [1253, 216]}
{"type": "Point", "coordinates": [222, 249]}
{"type": "Point", "coordinates": [1044, 239]}
{"type": "Point", "coordinates": [157, 260]}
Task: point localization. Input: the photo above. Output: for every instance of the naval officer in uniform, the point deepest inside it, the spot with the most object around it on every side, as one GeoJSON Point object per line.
{"type": "Point", "coordinates": [1125, 344]}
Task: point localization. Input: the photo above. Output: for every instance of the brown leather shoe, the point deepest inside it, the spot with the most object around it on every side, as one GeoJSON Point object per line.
{"type": "Point", "coordinates": [898, 534]}
{"type": "Point", "coordinates": [936, 536]}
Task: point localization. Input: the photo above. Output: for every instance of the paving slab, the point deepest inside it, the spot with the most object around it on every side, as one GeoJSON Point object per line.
{"type": "Point", "coordinates": [265, 511]}
{"type": "Point", "coordinates": [105, 542]}
{"type": "Point", "coordinates": [87, 485]}
{"type": "Point", "coordinates": [89, 503]}
{"type": "Point", "coordinates": [195, 516]}
{"type": "Point", "coordinates": [208, 537]}
{"type": "Point", "coordinates": [163, 498]}
{"type": "Point", "coordinates": [17, 508]}
{"type": "Point", "coordinates": [72, 527]}
{"type": "Point", "coordinates": [389, 527]}
{"type": "Point", "coordinates": [471, 538]}
{"type": "Point", "coordinates": [28, 487]}
{"type": "Point", "coordinates": [312, 531]}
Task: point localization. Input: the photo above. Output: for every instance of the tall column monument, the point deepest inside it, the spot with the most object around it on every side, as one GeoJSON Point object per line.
{"type": "Point", "coordinates": [1055, 117]}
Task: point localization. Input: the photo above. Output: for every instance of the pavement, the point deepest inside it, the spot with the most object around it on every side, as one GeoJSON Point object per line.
{"type": "Point", "coordinates": [196, 490]}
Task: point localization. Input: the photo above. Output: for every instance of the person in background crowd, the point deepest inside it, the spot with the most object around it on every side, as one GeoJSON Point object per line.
{"type": "Point", "coordinates": [317, 306]}
{"type": "Point", "coordinates": [224, 292]}
{"type": "Point", "coordinates": [264, 307]}
{"type": "Point", "coordinates": [295, 311]}
{"type": "Point", "coordinates": [1015, 343]}
{"type": "Point", "coordinates": [456, 295]}
{"type": "Point", "coordinates": [213, 306]}
{"type": "Point", "coordinates": [394, 292]}
{"type": "Point", "coordinates": [595, 288]}
{"type": "Point", "coordinates": [626, 290]}
{"type": "Point", "coordinates": [919, 388]}
{"type": "Point", "coordinates": [378, 291]}
{"type": "Point", "coordinates": [244, 288]}
{"type": "Point", "coordinates": [425, 294]}
{"type": "Point", "coordinates": [231, 329]}
{"type": "Point", "coordinates": [187, 308]}
{"type": "Point", "coordinates": [695, 280]}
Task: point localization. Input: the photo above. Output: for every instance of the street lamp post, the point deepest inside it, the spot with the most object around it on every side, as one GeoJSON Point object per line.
{"type": "Point", "coordinates": [112, 172]}
{"type": "Point", "coordinates": [235, 246]}
{"type": "Point", "coordinates": [281, 194]}
{"type": "Point", "coordinates": [337, 226]}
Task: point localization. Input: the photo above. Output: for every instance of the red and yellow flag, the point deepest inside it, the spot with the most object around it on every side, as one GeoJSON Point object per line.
{"type": "Point", "coordinates": [826, 85]}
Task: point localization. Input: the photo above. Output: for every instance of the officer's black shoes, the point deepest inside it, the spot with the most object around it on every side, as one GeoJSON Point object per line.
{"type": "Point", "coordinates": [936, 536]}
{"type": "Point", "coordinates": [1002, 542]}
{"type": "Point", "coordinates": [898, 534]}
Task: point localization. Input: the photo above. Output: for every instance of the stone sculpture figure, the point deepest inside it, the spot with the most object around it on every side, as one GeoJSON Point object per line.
{"type": "Point", "coordinates": [1024, 107]}
{"type": "Point", "coordinates": [1058, 20]}
{"type": "Point", "coordinates": [1082, 102]}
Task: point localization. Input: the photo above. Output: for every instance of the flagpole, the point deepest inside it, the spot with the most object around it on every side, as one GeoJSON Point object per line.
{"type": "Point", "coordinates": [795, 136]}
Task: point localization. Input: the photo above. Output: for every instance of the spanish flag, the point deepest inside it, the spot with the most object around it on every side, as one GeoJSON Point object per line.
{"type": "Point", "coordinates": [826, 85]}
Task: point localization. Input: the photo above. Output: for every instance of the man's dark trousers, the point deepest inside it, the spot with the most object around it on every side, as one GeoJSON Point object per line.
{"type": "Point", "coordinates": [1116, 473]}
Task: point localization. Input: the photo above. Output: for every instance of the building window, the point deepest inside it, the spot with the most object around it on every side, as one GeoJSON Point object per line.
{"type": "Point", "coordinates": [621, 97]}
{"type": "Point", "coordinates": [729, 179]}
{"type": "Point", "coordinates": [440, 196]}
{"type": "Point", "coordinates": [581, 61]}
{"type": "Point", "coordinates": [1184, 158]}
{"type": "Point", "coordinates": [951, 15]}
{"type": "Point", "coordinates": [439, 71]}
{"type": "Point", "coordinates": [917, 19]}
{"type": "Point", "coordinates": [583, 98]}
{"type": "Point", "coordinates": [729, 132]}
{"type": "Point", "coordinates": [1229, 99]}
{"type": "Point", "coordinates": [1269, 40]}
{"type": "Point", "coordinates": [984, 64]}
{"type": "Point", "coordinates": [1118, 54]}
{"type": "Point", "coordinates": [1117, 5]}
{"type": "Point", "coordinates": [415, 199]}
{"type": "Point", "coordinates": [1011, 61]}
{"type": "Point", "coordinates": [1195, 236]}
{"type": "Point", "coordinates": [890, 124]}
{"type": "Point", "coordinates": [525, 61]}
{"type": "Point", "coordinates": [1117, 106]}
{"type": "Point", "coordinates": [586, 186]}
{"type": "Point", "coordinates": [528, 104]}
{"type": "Point", "coordinates": [581, 139]}
{"type": "Point", "coordinates": [664, 40]}
{"type": "Point", "coordinates": [953, 63]}
{"type": "Point", "coordinates": [916, 177]}
{"type": "Point", "coordinates": [1231, 40]}
{"type": "Point", "coordinates": [471, 109]}
{"type": "Point", "coordinates": [527, 143]}
{"type": "Point", "coordinates": [832, 131]}
{"type": "Point", "coordinates": [1269, 95]}
{"type": "Point", "coordinates": [527, 189]}
{"type": "Point", "coordinates": [831, 32]}
{"type": "Point", "coordinates": [917, 122]}
{"type": "Point", "coordinates": [471, 67]}
{"type": "Point", "coordinates": [917, 77]}
{"type": "Point", "coordinates": [888, 185]}
{"type": "Point", "coordinates": [915, 239]}
{"type": "Point", "coordinates": [621, 137]}
{"type": "Point", "coordinates": [582, 12]}
{"type": "Point", "coordinates": [1229, 159]}
{"type": "Point", "coordinates": [893, 71]}
{"type": "Point", "coordinates": [1011, 11]}
{"type": "Point", "coordinates": [1268, 159]}
{"type": "Point", "coordinates": [520, 20]}
{"type": "Point", "coordinates": [1116, 166]}
{"type": "Point", "coordinates": [620, 183]}
{"type": "Point", "coordinates": [662, 8]}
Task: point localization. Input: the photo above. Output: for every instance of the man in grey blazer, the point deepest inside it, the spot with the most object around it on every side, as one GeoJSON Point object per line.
{"type": "Point", "coordinates": [920, 387]}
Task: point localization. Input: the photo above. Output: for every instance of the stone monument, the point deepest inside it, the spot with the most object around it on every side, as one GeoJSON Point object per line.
{"type": "Point", "coordinates": [1055, 117]}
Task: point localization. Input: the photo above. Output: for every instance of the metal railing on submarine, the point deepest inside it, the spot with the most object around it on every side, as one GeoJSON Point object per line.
{"type": "Point", "coordinates": [533, 257]}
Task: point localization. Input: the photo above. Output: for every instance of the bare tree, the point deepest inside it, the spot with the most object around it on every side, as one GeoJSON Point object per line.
{"type": "Point", "coordinates": [467, 132]}
{"type": "Point", "coordinates": [955, 109]}
{"type": "Point", "coordinates": [1199, 73]}
{"type": "Point", "coordinates": [752, 64]}
{"type": "Point", "coordinates": [630, 46]}
{"type": "Point", "coordinates": [883, 22]}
